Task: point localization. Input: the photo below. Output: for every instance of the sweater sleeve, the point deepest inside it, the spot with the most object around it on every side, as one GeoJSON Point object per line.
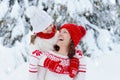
{"type": "Point", "coordinates": [82, 66]}
{"type": "Point", "coordinates": [33, 65]}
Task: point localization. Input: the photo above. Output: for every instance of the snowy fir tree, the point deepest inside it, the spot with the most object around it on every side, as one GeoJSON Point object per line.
{"type": "Point", "coordinates": [101, 18]}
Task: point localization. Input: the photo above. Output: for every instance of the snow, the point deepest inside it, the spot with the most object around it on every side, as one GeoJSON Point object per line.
{"type": "Point", "coordinates": [105, 38]}
{"type": "Point", "coordinates": [7, 63]}
{"type": "Point", "coordinates": [112, 1]}
{"type": "Point", "coordinates": [26, 3]}
{"type": "Point", "coordinates": [92, 48]}
{"type": "Point", "coordinates": [75, 6]}
{"type": "Point", "coordinates": [15, 10]}
{"type": "Point", "coordinates": [1, 40]}
{"type": "Point", "coordinates": [21, 73]}
{"type": "Point", "coordinates": [20, 29]}
{"type": "Point", "coordinates": [107, 69]}
{"type": "Point", "coordinates": [3, 8]}
{"type": "Point", "coordinates": [60, 1]}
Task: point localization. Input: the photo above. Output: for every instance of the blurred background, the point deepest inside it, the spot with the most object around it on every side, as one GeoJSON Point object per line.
{"type": "Point", "coordinates": [101, 45]}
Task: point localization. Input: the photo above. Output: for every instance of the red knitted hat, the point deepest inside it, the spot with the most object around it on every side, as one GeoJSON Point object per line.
{"type": "Point", "coordinates": [76, 32]}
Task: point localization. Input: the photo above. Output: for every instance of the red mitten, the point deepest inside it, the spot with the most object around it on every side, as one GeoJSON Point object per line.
{"type": "Point", "coordinates": [53, 65]}
{"type": "Point", "coordinates": [73, 68]}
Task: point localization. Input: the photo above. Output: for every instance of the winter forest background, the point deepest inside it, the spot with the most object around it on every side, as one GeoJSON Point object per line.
{"type": "Point", "coordinates": [101, 45]}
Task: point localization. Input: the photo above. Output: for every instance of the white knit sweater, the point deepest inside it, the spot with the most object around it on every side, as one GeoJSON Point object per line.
{"type": "Point", "coordinates": [38, 71]}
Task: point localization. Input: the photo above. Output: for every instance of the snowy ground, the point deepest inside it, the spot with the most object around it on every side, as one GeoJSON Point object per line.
{"type": "Point", "coordinates": [107, 68]}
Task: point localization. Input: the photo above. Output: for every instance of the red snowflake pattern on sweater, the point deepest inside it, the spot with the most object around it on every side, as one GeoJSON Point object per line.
{"type": "Point", "coordinates": [37, 52]}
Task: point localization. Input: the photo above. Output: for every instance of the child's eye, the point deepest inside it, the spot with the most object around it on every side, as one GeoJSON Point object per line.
{"type": "Point", "coordinates": [46, 28]}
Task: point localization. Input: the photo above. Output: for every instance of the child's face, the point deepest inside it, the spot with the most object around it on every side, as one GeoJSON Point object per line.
{"type": "Point", "coordinates": [48, 29]}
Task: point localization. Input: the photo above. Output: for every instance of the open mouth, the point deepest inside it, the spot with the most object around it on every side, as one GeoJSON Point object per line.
{"type": "Point", "coordinates": [61, 39]}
